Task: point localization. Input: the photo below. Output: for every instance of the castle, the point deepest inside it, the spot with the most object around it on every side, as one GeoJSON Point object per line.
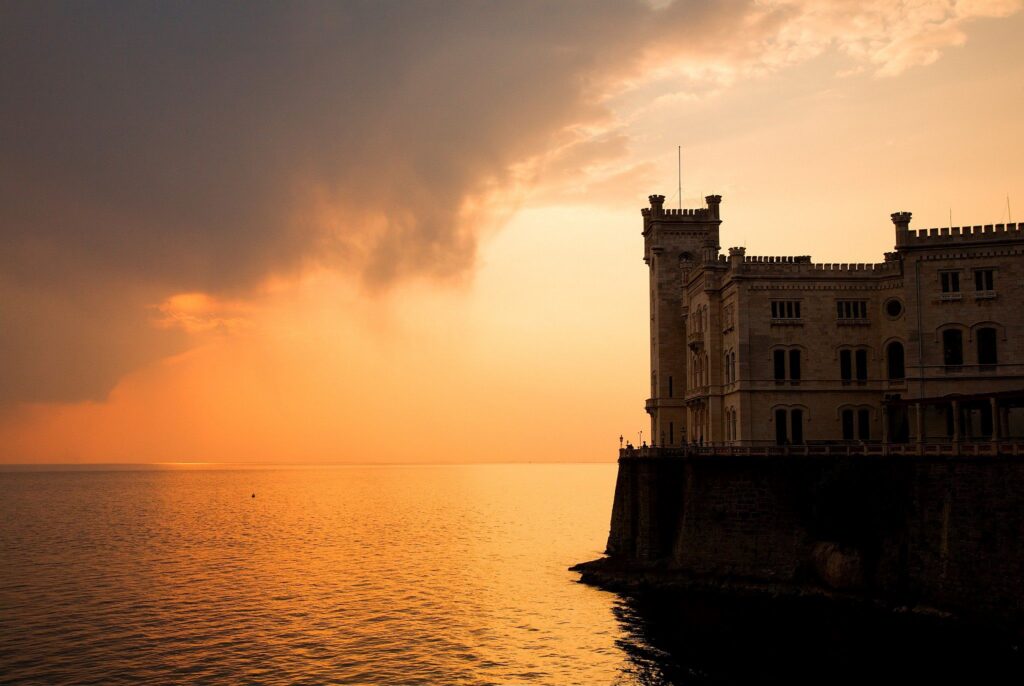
{"type": "Point", "coordinates": [830, 428]}
{"type": "Point", "coordinates": [923, 349]}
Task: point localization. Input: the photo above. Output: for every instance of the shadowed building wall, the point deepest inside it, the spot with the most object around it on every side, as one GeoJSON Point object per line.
{"type": "Point", "coordinates": [925, 346]}
{"type": "Point", "coordinates": [942, 532]}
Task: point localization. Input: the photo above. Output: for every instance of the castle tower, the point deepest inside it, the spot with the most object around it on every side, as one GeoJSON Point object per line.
{"type": "Point", "coordinates": [675, 243]}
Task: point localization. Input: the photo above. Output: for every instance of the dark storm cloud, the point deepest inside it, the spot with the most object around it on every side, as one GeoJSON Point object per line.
{"type": "Point", "coordinates": [154, 148]}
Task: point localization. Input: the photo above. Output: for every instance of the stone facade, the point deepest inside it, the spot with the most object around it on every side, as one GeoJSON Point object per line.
{"type": "Point", "coordinates": [910, 531]}
{"type": "Point", "coordinates": [925, 347]}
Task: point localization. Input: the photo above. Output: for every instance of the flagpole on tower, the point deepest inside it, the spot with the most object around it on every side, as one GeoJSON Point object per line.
{"type": "Point", "coordinates": [679, 175]}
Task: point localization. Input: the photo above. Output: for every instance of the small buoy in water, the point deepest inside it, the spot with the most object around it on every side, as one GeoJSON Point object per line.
{"type": "Point", "coordinates": [253, 495]}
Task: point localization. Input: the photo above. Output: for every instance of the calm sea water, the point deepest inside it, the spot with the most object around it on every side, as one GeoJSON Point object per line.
{"type": "Point", "coordinates": [425, 574]}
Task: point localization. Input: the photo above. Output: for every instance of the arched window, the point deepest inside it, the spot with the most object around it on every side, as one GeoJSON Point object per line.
{"type": "Point", "coordinates": [861, 358]}
{"type": "Point", "coordinates": [780, 427]}
{"type": "Point", "coordinates": [987, 348]}
{"type": "Point", "coordinates": [894, 356]}
{"type": "Point", "coordinates": [952, 347]}
{"type": "Point", "coordinates": [797, 420]}
{"type": "Point", "coordinates": [847, 416]}
{"type": "Point", "coordinates": [856, 423]}
{"type": "Point", "coordinates": [789, 432]}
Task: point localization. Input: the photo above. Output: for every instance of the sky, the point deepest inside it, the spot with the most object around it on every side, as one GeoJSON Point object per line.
{"type": "Point", "coordinates": [410, 231]}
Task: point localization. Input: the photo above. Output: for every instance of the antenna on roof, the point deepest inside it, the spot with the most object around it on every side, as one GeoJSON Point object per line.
{"type": "Point", "coordinates": [1009, 215]}
{"type": "Point", "coordinates": [951, 219]}
{"type": "Point", "coordinates": [679, 175]}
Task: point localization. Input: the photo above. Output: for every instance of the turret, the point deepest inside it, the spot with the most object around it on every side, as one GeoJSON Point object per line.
{"type": "Point", "coordinates": [736, 255]}
{"type": "Point", "coordinates": [901, 220]}
{"type": "Point", "coordinates": [713, 202]}
{"type": "Point", "coordinates": [657, 204]}
{"type": "Point", "coordinates": [676, 241]}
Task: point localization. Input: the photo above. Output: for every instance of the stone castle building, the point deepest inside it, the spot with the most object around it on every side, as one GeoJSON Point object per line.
{"type": "Point", "coordinates": [926, 347]}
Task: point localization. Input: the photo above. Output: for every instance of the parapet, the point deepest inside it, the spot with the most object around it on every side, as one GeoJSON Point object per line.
{"type": "Point", "coordinates": [801, 264]}
{"type": "Point", "coordinates": [658, 211]}
{"type": "Point", "coordinates": [954, 235]}
{"type": "Point", "coordinates": [777, 259]}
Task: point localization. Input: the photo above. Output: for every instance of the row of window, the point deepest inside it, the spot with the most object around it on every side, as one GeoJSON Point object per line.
{"type": "Point", "coordinates": [852, 309]}
{"type": "Point", "coordinates": [785, 309]}
{"type": "Point", "coordinates": [845, 309]}
{"type": "Point", "coordinates": [853, 362]}
{"type": "Point", "coordinates": [984, 280]}
{"type": "Point", "coordinates": [789, 425]}
{"type": "Point", "coordinates": [953, 347]}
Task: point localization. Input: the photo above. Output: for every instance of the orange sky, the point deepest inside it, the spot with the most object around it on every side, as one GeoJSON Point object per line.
{"type": "Point", "coordinates": [489, 304]}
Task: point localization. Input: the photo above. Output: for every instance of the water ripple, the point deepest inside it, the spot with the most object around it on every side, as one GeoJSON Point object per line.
{"type": "Point", "coordinates": [337, 575]}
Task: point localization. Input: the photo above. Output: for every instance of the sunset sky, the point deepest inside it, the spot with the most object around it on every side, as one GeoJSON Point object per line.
{"type": "Point", "coordinates": [410, 232]}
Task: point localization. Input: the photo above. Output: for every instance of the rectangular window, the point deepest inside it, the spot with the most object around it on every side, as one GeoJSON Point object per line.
{"type": "Point", "coordinates": [846, 365]}
{"type": "Point", "coordinates": [987, 357]}
{"type": "Point", "coordinates": [780, 427]}
{"type": "Point", "coordinates": [847, 425]}
{"type": "Point", "coordinates": [863, 424]}
{"type": "Point", "coordinates": [785, 309]}
{"type": "Point", "coordinates": [794, 365]}
{"type": "Point", "coordinates": [952, 347]}
{"type": "Point", "coordinates": [862, 365]}
{"type": "Point", "coordinates": [984, 280]}
{"type": "Point", "coordinates": [779, 364]}
{"type": "Point", "coordinates": [852, 309]}
{"type": "Point", "coordinates": [950, 282]}
{"type": "Point", "coordinates": [797, 417]}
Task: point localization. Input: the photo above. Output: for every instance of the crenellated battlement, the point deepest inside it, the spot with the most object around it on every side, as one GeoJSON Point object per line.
{"type": "Point", "coordinates": [863, 267]}
{"type": "Point", "coordinates": [801, 264]}
{"type": "Point", "coordinates": [777, 259]}
{"type": "Point", "coordinates": [698, 213]}
{"type": "Point", "coordinates": [946, 235]}
{"type": "Point", "coordinates": [658, 211]}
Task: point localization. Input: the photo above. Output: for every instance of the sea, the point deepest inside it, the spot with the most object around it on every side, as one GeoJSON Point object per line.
{"type": "Point", "coordinates": [392, 574]}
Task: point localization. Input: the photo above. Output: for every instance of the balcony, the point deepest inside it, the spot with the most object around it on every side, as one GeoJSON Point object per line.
{"type": "Point", "coordinates": [695, 339]}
